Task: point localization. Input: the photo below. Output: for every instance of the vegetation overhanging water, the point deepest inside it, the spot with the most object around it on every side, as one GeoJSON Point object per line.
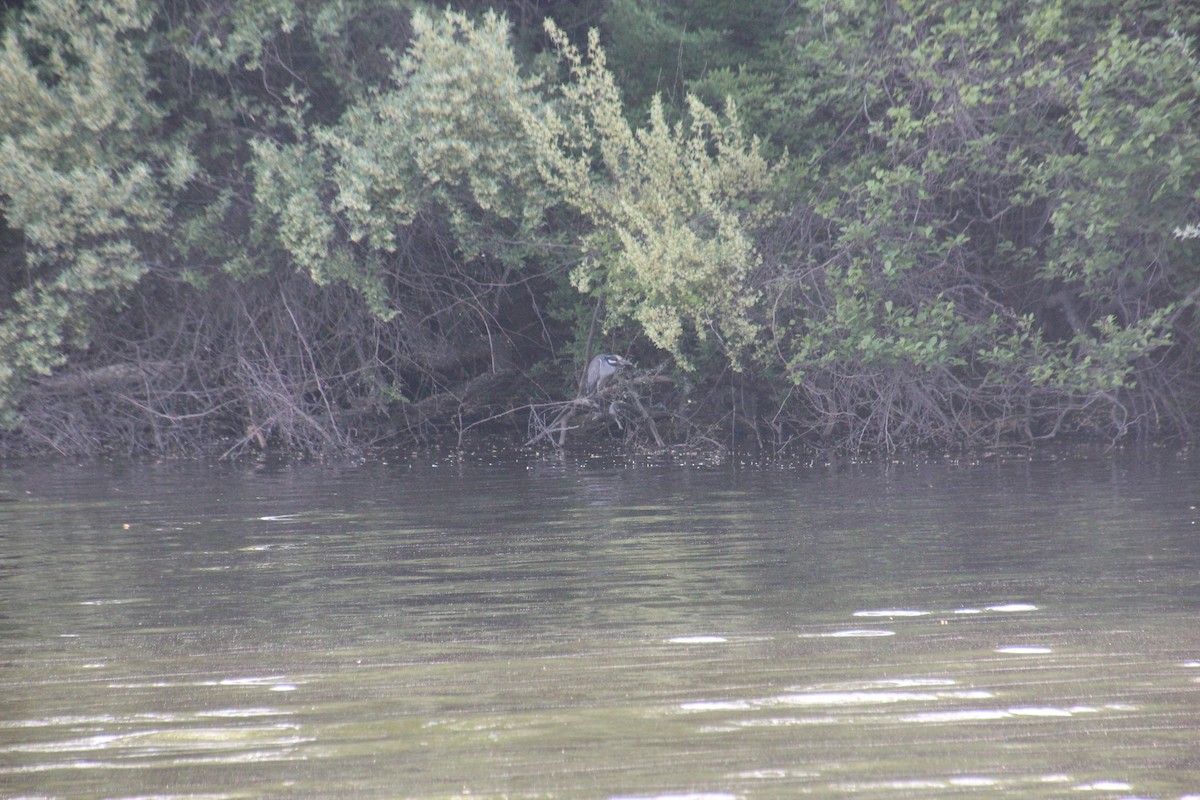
{"type": "Point", "coordinates": [322, 227]}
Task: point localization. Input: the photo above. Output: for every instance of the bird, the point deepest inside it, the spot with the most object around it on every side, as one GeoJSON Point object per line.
{"type": "Point", "coordinates": [601, 368]}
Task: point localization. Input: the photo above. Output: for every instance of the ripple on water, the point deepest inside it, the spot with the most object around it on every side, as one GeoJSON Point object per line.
{"type": "Point", "coordinates": [848, 698]}
{"type": "Point", "coordinates": [243, 713]}
{"type": "Point", "coordinates": [1024, 649]}
{"type": "Point", "coordinates": [479, 622]}
{"type": "Point", "coordinates": [1010, 607]}
{"type": "Point", "coordinates": [987, 714]}
{"type": "Point", "coordinates": [1038, 711]}
{"type": "Point", "coordinates": [958, 715]}
{"type": "Point", "coordinates": [913, 612]}
{"type": "Point", "coordinates": [717, 705]}
{"type": "Point", "coordinates": [269, 681]}
{"type": "Point", "coordinates": [868, 694]}
{"type": "Point", "coordinates": [892, 683]}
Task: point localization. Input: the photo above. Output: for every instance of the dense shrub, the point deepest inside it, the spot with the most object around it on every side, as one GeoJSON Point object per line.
{"type": "Point", "coordinates": [317, 226]}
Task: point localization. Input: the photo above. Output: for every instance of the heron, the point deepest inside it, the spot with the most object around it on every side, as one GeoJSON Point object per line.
{"type": "Point", "coordinates": [601, 368]}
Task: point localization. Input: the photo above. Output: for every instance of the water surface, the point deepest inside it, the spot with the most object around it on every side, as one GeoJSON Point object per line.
{"type": "Point", "coordinates": [535, 629]}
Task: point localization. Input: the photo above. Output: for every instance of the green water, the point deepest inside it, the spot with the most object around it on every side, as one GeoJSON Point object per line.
{"type": "Point", "coordinates": [534, 629]}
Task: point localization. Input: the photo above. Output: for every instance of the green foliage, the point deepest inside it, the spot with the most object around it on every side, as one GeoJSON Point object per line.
{"type": "Point", "coordinates": [450, 135]}
{"type": "Point", "coordinates": [701, 47]}
{"type": "Point", "coordinates": [674, 208]}
{"type": "Point", "coordinates": [83, 175]}
{"type": "Point", "coordinates": [996, 214]}
{"type": "Point", "coordinates": [238, 76]}
{"type": "Point", "coordinates": [651, 55]}
{"type": "Point", "coordinates": [922, 221]}
{"type": "Point", "coordinates": [446, 139]}
{"type": "Point", "coordinates": [1133, 171]}
{"type": "Point", "coordinates": [671, 210]}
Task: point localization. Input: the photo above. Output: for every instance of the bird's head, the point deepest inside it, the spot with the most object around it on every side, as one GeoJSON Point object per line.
{"type": "Point", "coordinates": [616, 361]}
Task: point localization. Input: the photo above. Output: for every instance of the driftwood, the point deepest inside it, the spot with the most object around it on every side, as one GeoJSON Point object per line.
{"type": "Point", "coordinates": [611, 404]}
{"type": "Point", "coordinates": [106, 378]}
{"type": "Point", "coordinates": [477, 391]}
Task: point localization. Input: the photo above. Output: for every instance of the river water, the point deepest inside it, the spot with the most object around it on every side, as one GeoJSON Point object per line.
{"type": "Point", "coordinates": [444, 627]}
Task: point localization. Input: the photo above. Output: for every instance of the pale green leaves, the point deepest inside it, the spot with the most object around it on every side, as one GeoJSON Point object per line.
{"type": "Point", "coordinates": [77, 172]}
{"type": "Point", "coordinates": [680, 202]}
{"type": "Point", "coordinates": [671, 209]}
{"type": "Point", "coordinates": [448, 139]}
{"type": "Point", "coordinates": [450, 133]}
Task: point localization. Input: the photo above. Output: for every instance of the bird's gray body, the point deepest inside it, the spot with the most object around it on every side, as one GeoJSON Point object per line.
{"type": "Point", "coordinates": [601, 368]}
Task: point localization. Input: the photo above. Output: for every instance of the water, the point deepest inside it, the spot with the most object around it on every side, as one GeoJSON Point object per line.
{"type": "Point", "coordinates": [548, 630]}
